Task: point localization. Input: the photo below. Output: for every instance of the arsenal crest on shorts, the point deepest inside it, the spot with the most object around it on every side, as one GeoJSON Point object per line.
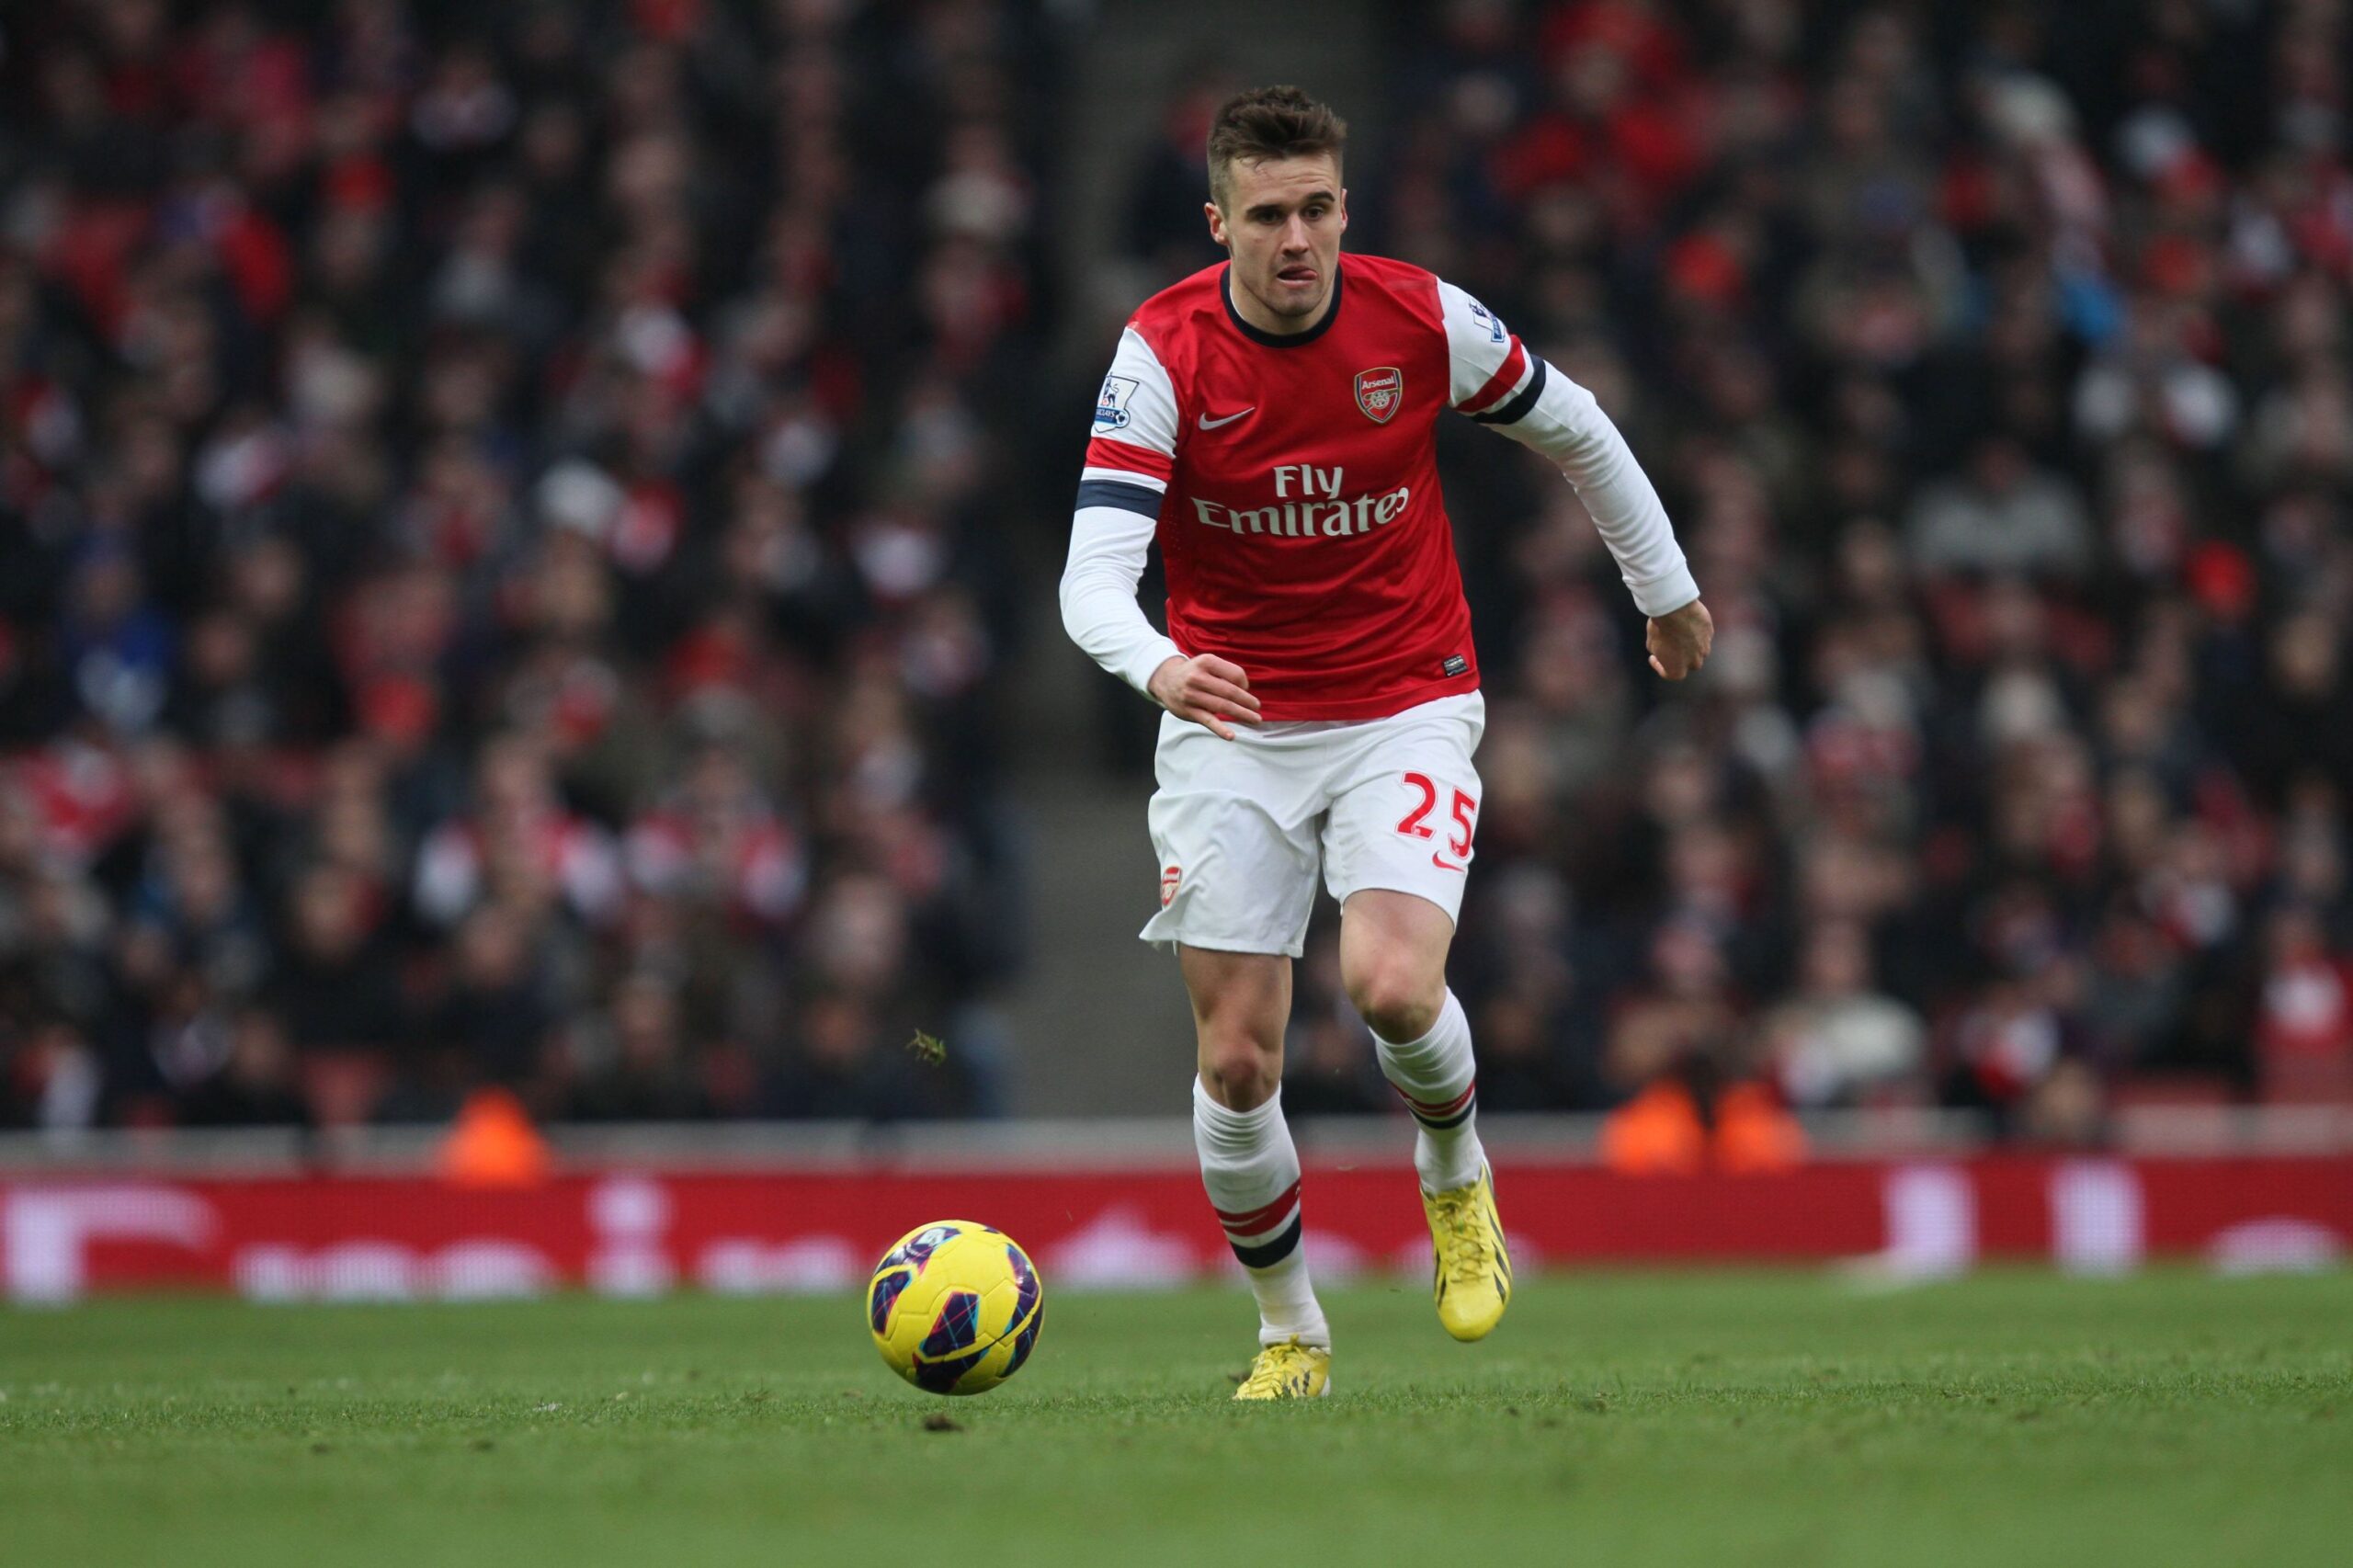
{"type": "Point", "coordinates": [1379, 391]}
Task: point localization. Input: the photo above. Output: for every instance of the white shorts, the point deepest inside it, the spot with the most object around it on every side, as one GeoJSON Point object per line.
{"type": "Point", "coordinates": [1240, 825]}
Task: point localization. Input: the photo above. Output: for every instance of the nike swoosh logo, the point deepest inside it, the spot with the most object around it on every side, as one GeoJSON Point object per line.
{"type": "Point", "coordinates": [1442, 865]}
{"type": "Point", "coordinates": [1209, 423]}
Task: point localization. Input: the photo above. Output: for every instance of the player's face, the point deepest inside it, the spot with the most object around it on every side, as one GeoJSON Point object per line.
{"type": "Point", "coordinates": [1282, 218]}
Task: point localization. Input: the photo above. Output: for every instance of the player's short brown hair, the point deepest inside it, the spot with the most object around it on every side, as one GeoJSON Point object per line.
{"type": "Point", "coordinates": [1270, 122]}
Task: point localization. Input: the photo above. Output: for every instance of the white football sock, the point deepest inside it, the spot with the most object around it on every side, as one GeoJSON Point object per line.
{"type": "Point", "coordinates": [1437, 1079]}
{"type": "Point", "coordinates": [1251, 1171]}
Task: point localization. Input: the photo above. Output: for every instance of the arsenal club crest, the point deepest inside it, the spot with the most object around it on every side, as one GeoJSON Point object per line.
{"type": "Point", "coordinates": [1379, 393]}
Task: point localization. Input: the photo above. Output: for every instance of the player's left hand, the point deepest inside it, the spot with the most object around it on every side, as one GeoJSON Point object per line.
{"type": "Point", "coordinates": [1679, 639]}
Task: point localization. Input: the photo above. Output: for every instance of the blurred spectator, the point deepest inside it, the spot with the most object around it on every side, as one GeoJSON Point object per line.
{"type": "Point", "coordinates": [337, 987]}
{"type": "Point", "coordinates": [255, 1084]}
{"type": "Point", "coordinates": [1687, 1014]}
{"type": "Point", "coordinates": [1999, 515]}
{"type": "Point", "coordinates": [649, 1075]}
{"type": "Point", "coordinates": [1836, 1042]}
{"type": "Point", "coordinates": [53, 1079]}
{"type": "Point", "coordinates": [838, 1073]}
{"type": "Point", "coordinates": [2303, 1038]}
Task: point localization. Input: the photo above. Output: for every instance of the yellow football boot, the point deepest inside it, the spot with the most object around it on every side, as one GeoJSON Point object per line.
{"type": "Point", "coordinates": [1288, 1370]}
{"type": "Point", "coordinates": [1473, 1282]}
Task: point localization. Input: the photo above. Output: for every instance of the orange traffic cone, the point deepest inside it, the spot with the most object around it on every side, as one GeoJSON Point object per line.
{"type": "Point", "coordinates": [493, 1143]}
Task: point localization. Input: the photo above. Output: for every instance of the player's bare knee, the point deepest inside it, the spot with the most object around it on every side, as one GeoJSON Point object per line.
{"type": "Point", "coordinates": [1241, 1073]}
{"type": "Point", "coordinates": [1398, 1001]}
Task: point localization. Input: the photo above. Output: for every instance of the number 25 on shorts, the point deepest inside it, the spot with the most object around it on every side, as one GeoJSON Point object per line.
{"type": "Point", "coordinates": [1414, 825]}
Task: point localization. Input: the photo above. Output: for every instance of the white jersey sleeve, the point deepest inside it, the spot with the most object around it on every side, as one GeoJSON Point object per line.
{"type": "Point", "coordinates": [1498, 381]}
{"type": "Point", "coordinates": [1129, 456]}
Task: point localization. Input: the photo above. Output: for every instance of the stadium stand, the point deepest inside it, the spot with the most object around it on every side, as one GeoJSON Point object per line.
{"type": "Point", "coordinates": [493, 579]}
{"type": "Point", "coordinates": [503, 564]}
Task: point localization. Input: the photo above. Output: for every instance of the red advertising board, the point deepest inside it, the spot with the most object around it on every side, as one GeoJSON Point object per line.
{"type": "Point", "coordinates": [644, 1228]}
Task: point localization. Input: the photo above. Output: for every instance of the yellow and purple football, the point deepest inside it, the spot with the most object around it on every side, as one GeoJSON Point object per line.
{"type": "Point", "coordinates": [955, 1307]}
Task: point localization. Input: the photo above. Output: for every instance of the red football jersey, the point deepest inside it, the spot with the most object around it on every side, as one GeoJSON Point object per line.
{"type": "Point", "coordinates": [1294, 480]}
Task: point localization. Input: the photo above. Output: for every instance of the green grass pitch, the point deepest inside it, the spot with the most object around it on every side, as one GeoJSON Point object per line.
{"type": "Point", "coordinates": [1719, 1418]}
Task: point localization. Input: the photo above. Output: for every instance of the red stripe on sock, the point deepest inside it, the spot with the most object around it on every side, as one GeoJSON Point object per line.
{"type": "Point", "coordinates": [1430, 1108]}
{"type": "Point", "coordinates": [1251, 1220]}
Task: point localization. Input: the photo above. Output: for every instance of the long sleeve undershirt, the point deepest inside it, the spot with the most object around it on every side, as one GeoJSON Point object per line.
{"type": "Point", "coordinates": [1108, 545]}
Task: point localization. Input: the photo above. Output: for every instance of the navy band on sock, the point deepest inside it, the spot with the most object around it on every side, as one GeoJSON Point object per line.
{"type": "Point", "coordinates": [1267, 1255]}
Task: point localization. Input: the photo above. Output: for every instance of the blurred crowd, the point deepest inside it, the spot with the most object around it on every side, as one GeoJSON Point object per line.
{"type": "Point", "coordinates": [1993, 360]}
{"type": "Point", "coordinates": [513, 523]}
{"type": "Point", "coordinates": [497, 576]}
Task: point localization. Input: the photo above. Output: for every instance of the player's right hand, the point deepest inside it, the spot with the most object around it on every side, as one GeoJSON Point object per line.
{"type": "Point", "coordinates": [1679, 641]}
{"type": "Point", "coordinates": [1210, 691]}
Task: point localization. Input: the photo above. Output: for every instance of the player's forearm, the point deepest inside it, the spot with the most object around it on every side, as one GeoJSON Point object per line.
{"type": "Point", "coordinates": [1569, 428]}
{"type": "Point", "coordinates": [1109, 624]}
{"type": "Point", "coordinates": [1099, 595]}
